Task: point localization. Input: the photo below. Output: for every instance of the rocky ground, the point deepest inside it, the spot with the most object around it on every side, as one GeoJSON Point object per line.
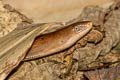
{"type": "Point", "coordinates": [95, 57]}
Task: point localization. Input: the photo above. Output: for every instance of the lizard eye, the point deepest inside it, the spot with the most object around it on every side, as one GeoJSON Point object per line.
{"type": "Point", "coordinates": [76, 28]}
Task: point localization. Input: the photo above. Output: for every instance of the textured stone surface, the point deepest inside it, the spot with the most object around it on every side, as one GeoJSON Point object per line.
{"type": "Point", "coordinates": [106, 22]}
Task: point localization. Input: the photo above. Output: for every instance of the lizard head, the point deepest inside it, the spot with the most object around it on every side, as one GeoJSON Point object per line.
{"type": "Point", "coordinates": [82, 26]}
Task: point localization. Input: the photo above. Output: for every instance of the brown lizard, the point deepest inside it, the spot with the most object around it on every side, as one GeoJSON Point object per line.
{"type": "Point", "coordinates": [57, 41]}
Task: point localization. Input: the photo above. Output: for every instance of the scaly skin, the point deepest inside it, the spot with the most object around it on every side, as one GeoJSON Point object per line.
{"type": "Point", "coordinates": [60, 40]}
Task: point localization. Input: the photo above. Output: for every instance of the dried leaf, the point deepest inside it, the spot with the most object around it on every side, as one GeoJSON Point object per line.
{"type": "Point", "coordinates": [13, 47]}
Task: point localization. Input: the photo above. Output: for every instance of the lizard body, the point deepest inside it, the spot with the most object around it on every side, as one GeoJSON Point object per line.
{"type": "Point", "coordinates": [57, 41]}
